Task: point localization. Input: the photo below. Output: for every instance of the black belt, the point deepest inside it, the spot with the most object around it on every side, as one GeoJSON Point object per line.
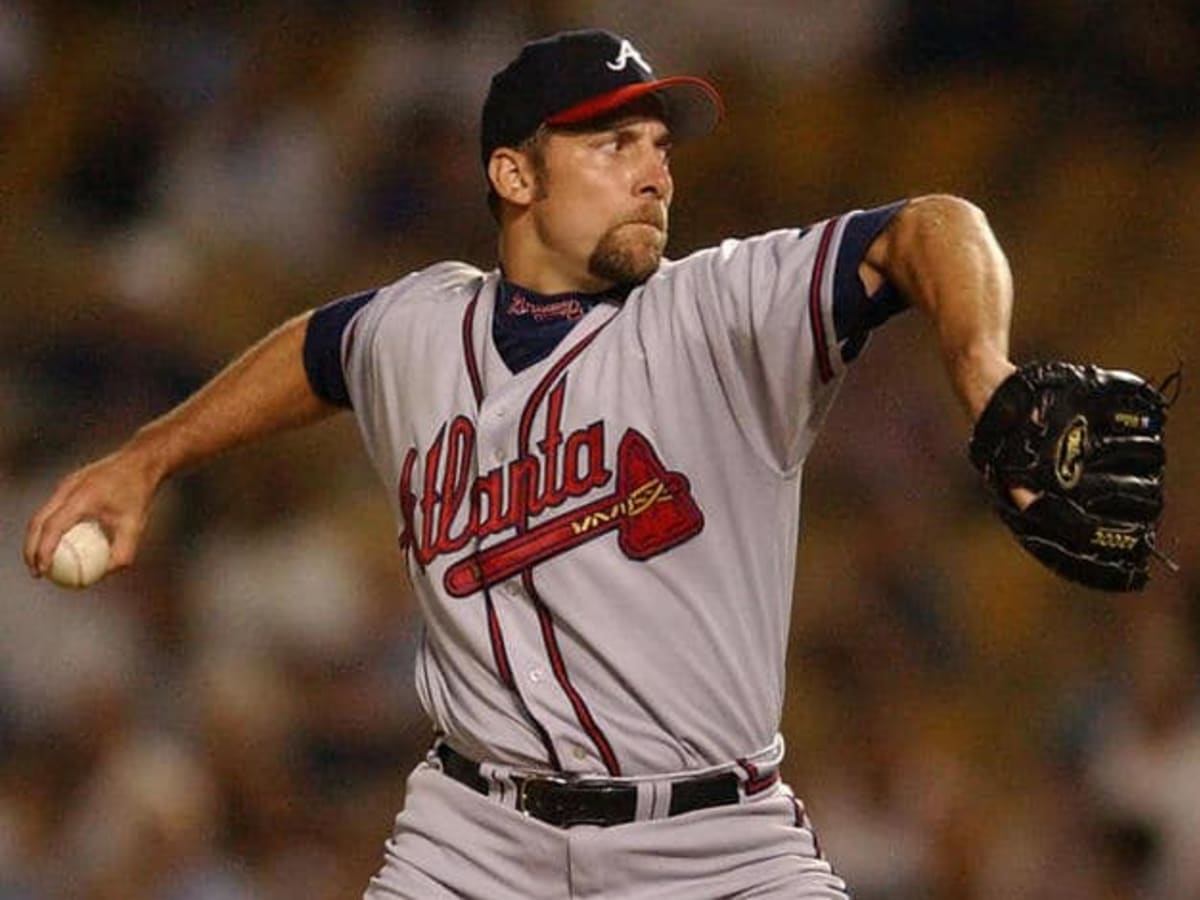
{"type": "Point", "coordinates": [566, 802]}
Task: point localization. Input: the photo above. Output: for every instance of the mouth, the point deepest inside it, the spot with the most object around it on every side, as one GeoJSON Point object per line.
{"type": "Point", "coordinates": [652, 217]}
{"type": "Point", "coordinates": [655, 226]}
{"type": "Point", "coordinates": [649, 222]}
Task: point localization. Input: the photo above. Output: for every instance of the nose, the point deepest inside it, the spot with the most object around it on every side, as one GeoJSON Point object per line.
{"type": "Point", "coordinates": [654, 176]}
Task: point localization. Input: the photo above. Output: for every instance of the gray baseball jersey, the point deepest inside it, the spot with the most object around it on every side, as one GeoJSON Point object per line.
{"type": "Point", "coordinates": [603, 543]}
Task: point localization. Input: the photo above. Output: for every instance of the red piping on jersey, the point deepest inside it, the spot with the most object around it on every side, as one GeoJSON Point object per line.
{"type": "Point", "coordinates": [545, 617]}
{"type": "Point", "coordinates": [498, 651]}
{"type": "Point", "coordinates": [469, 347]}
{"type": "Point", "coordinates": [816, 319]}
{"type": "Point", "coordinates": [495, 635]}
{"type": "Point", "coordinates": [582, 713]}
{"type": "Point", "coordinates": [505, 670]}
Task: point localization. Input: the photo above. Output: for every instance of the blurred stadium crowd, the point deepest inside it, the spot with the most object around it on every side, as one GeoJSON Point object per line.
{"type": "Point", "coordinates": [233, 718]}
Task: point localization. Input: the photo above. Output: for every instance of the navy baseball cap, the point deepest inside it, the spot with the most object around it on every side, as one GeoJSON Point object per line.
{"type": "Point", "coordinates": [575, 76]}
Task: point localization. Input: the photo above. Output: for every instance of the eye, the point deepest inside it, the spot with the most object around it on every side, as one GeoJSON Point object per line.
{"type": "Point", "coordinates": [629, 139]}
{"type": "Point", "coordinates": [615, 141]}
{"type": "Point", "coordinates": [602, 143]}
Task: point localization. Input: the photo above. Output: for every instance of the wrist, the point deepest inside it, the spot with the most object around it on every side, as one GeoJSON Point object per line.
{"type": "Point", "coordinates": [976, 376]}
{"type": "Point", "coordinates": [148, 451]}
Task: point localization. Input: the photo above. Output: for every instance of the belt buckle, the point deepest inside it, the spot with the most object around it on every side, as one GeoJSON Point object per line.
{"type": "Point", "coordinates": [523, 784]}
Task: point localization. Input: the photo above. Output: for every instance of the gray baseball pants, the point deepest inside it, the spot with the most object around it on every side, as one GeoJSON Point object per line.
{"type": "Point", "coordinates": [451, 842]}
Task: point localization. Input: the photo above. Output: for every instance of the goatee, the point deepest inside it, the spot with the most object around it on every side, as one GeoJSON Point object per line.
{"type": "Point", "coordinates": [626, 259]}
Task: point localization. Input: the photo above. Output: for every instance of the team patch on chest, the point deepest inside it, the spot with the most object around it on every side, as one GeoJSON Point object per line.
{"type": "Point", "coordinates": [569, 309]}
{"type": "Point", "coordinates": [650, 508]}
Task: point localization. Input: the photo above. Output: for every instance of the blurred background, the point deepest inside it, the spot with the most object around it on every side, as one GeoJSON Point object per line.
{"type": "Point", "coordinates": [233, 718]}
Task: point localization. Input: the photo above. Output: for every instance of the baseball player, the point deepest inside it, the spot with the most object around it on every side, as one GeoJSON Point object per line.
{"type": "Point", "coordinates": [595, 455]}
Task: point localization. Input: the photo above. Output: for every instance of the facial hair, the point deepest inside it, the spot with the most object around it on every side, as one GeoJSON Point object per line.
{"type": "Point", "coordinates": [630, 255]}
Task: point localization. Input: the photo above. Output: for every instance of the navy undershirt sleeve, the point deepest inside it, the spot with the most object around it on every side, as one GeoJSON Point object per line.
{"type": "Point", "coordinates": [323, 347]}
{"type": "Point", "coordinates": [854, 313]}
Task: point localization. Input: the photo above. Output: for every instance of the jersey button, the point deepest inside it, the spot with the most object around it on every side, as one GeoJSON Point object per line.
{"type": "Point", "coordinates": [579, 752]}
{"type": "Point", "coordinates": [536, 675]}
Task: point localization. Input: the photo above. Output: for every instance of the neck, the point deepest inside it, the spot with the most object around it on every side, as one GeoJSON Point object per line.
{"type": "Point", "coordinates": [537, 267]}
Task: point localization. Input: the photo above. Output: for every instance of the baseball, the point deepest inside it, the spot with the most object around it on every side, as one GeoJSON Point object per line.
{"type": "Point", "coordinates": [81, 557]}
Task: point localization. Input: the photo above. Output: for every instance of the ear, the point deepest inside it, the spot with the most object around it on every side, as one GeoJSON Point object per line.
{"type": "Point", "coordinates": [512, 176]}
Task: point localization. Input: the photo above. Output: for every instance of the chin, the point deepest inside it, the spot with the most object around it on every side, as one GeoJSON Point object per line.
{"type": "Point", "coordinates": [630, 260]}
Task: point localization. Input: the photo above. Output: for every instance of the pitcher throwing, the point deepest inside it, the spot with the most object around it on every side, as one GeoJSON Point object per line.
{"type": "Point", "coordinates": [595, 454]}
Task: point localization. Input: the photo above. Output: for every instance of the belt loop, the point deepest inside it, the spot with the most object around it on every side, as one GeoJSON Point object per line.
{"type": "Point", "coordinates": [503, 786]}
{"type": "Point", "coordinates": [752, 780]}
{"type": "Point", "coordinates": [660, 799]}
{"type": "Point", "coordinates": [760, 772]}
{"type": "Point", "coordinates": [648, 804]}
{"type": "Point", "coordinates": [519, 785]}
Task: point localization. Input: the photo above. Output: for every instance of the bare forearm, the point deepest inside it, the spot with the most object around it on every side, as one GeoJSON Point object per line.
{"type": "Point", "coordinates": [942, 255]}
{"type": "Point", "coordinates": [263, 392]}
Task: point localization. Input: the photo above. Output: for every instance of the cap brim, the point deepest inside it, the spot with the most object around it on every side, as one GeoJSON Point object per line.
{"type": "Point", "coordinates": [692, 105]}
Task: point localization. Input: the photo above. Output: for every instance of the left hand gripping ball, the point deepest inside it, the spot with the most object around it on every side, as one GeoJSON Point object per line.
{"type": "Point", "coordinates": [81, 557]}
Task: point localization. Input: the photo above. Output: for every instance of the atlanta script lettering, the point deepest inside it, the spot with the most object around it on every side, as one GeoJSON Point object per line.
{"type": "Point", "coordinates": [562, 467]}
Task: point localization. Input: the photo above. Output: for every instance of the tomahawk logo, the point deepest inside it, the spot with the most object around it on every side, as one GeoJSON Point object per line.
{"type": "Point", "coordinates": [651, 510]}
{"type": "Point", "coordinates": [624, 55]}
{"type": "Point", "coordinates": [650, 507]}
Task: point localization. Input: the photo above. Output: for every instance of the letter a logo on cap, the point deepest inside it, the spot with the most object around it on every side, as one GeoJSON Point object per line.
{"type": "Point", "coordinates": [627, 52]}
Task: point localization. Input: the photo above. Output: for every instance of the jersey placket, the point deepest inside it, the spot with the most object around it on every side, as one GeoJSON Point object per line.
{"type": "Point", "coordinates": [493, 429]}
{"type": "Point", "coordinates": [539, 675]}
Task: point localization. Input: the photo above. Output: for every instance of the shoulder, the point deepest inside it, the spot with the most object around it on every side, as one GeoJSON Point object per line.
{"type": "Point", "coordinates": [736, 248]}
{"type": "Point", "coordinates": [436, 285]}
{"type": "Point", "coordinates": [782, 248]}
{"type": "Point", "coordinates": [419, 301]}
{"type": "Point", "coordinates": [733, 259]}
{"type": "Point", "coordinates": [733, 246]}
{"type": "Point", "coordinates": [429, 294]}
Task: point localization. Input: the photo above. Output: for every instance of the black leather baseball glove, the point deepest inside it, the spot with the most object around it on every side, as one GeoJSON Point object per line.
{"type": "Point", "coordinates": [1089, 442]}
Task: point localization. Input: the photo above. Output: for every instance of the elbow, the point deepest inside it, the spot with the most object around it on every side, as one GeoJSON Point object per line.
{"type": "Point", "coordinates": [942, 211]}
{"type": "Point", "coordinates": [942, 225]}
